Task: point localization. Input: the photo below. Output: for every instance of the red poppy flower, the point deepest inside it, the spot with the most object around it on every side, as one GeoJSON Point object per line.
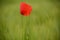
{"type": "Point", "coordinates": [25, 9]}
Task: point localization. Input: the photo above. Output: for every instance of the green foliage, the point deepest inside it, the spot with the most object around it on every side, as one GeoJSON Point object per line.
{"type": "Point", "coordinates": [42, 24]}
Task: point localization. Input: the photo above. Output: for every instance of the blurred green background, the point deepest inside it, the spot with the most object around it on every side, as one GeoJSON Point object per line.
{"type": "Point", "coordinates": [42, 24]}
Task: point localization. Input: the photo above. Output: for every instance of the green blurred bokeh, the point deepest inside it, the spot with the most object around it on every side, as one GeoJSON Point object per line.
{"type": "Point", "coordinates": [42, 24]}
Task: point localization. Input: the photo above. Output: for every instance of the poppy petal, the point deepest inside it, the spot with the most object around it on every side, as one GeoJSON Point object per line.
{"type": "Point", "coordinates": [25, 9]}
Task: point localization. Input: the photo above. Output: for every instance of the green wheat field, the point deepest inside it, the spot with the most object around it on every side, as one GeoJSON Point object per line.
{"type": "Point", "coordinates": [42, 24]}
